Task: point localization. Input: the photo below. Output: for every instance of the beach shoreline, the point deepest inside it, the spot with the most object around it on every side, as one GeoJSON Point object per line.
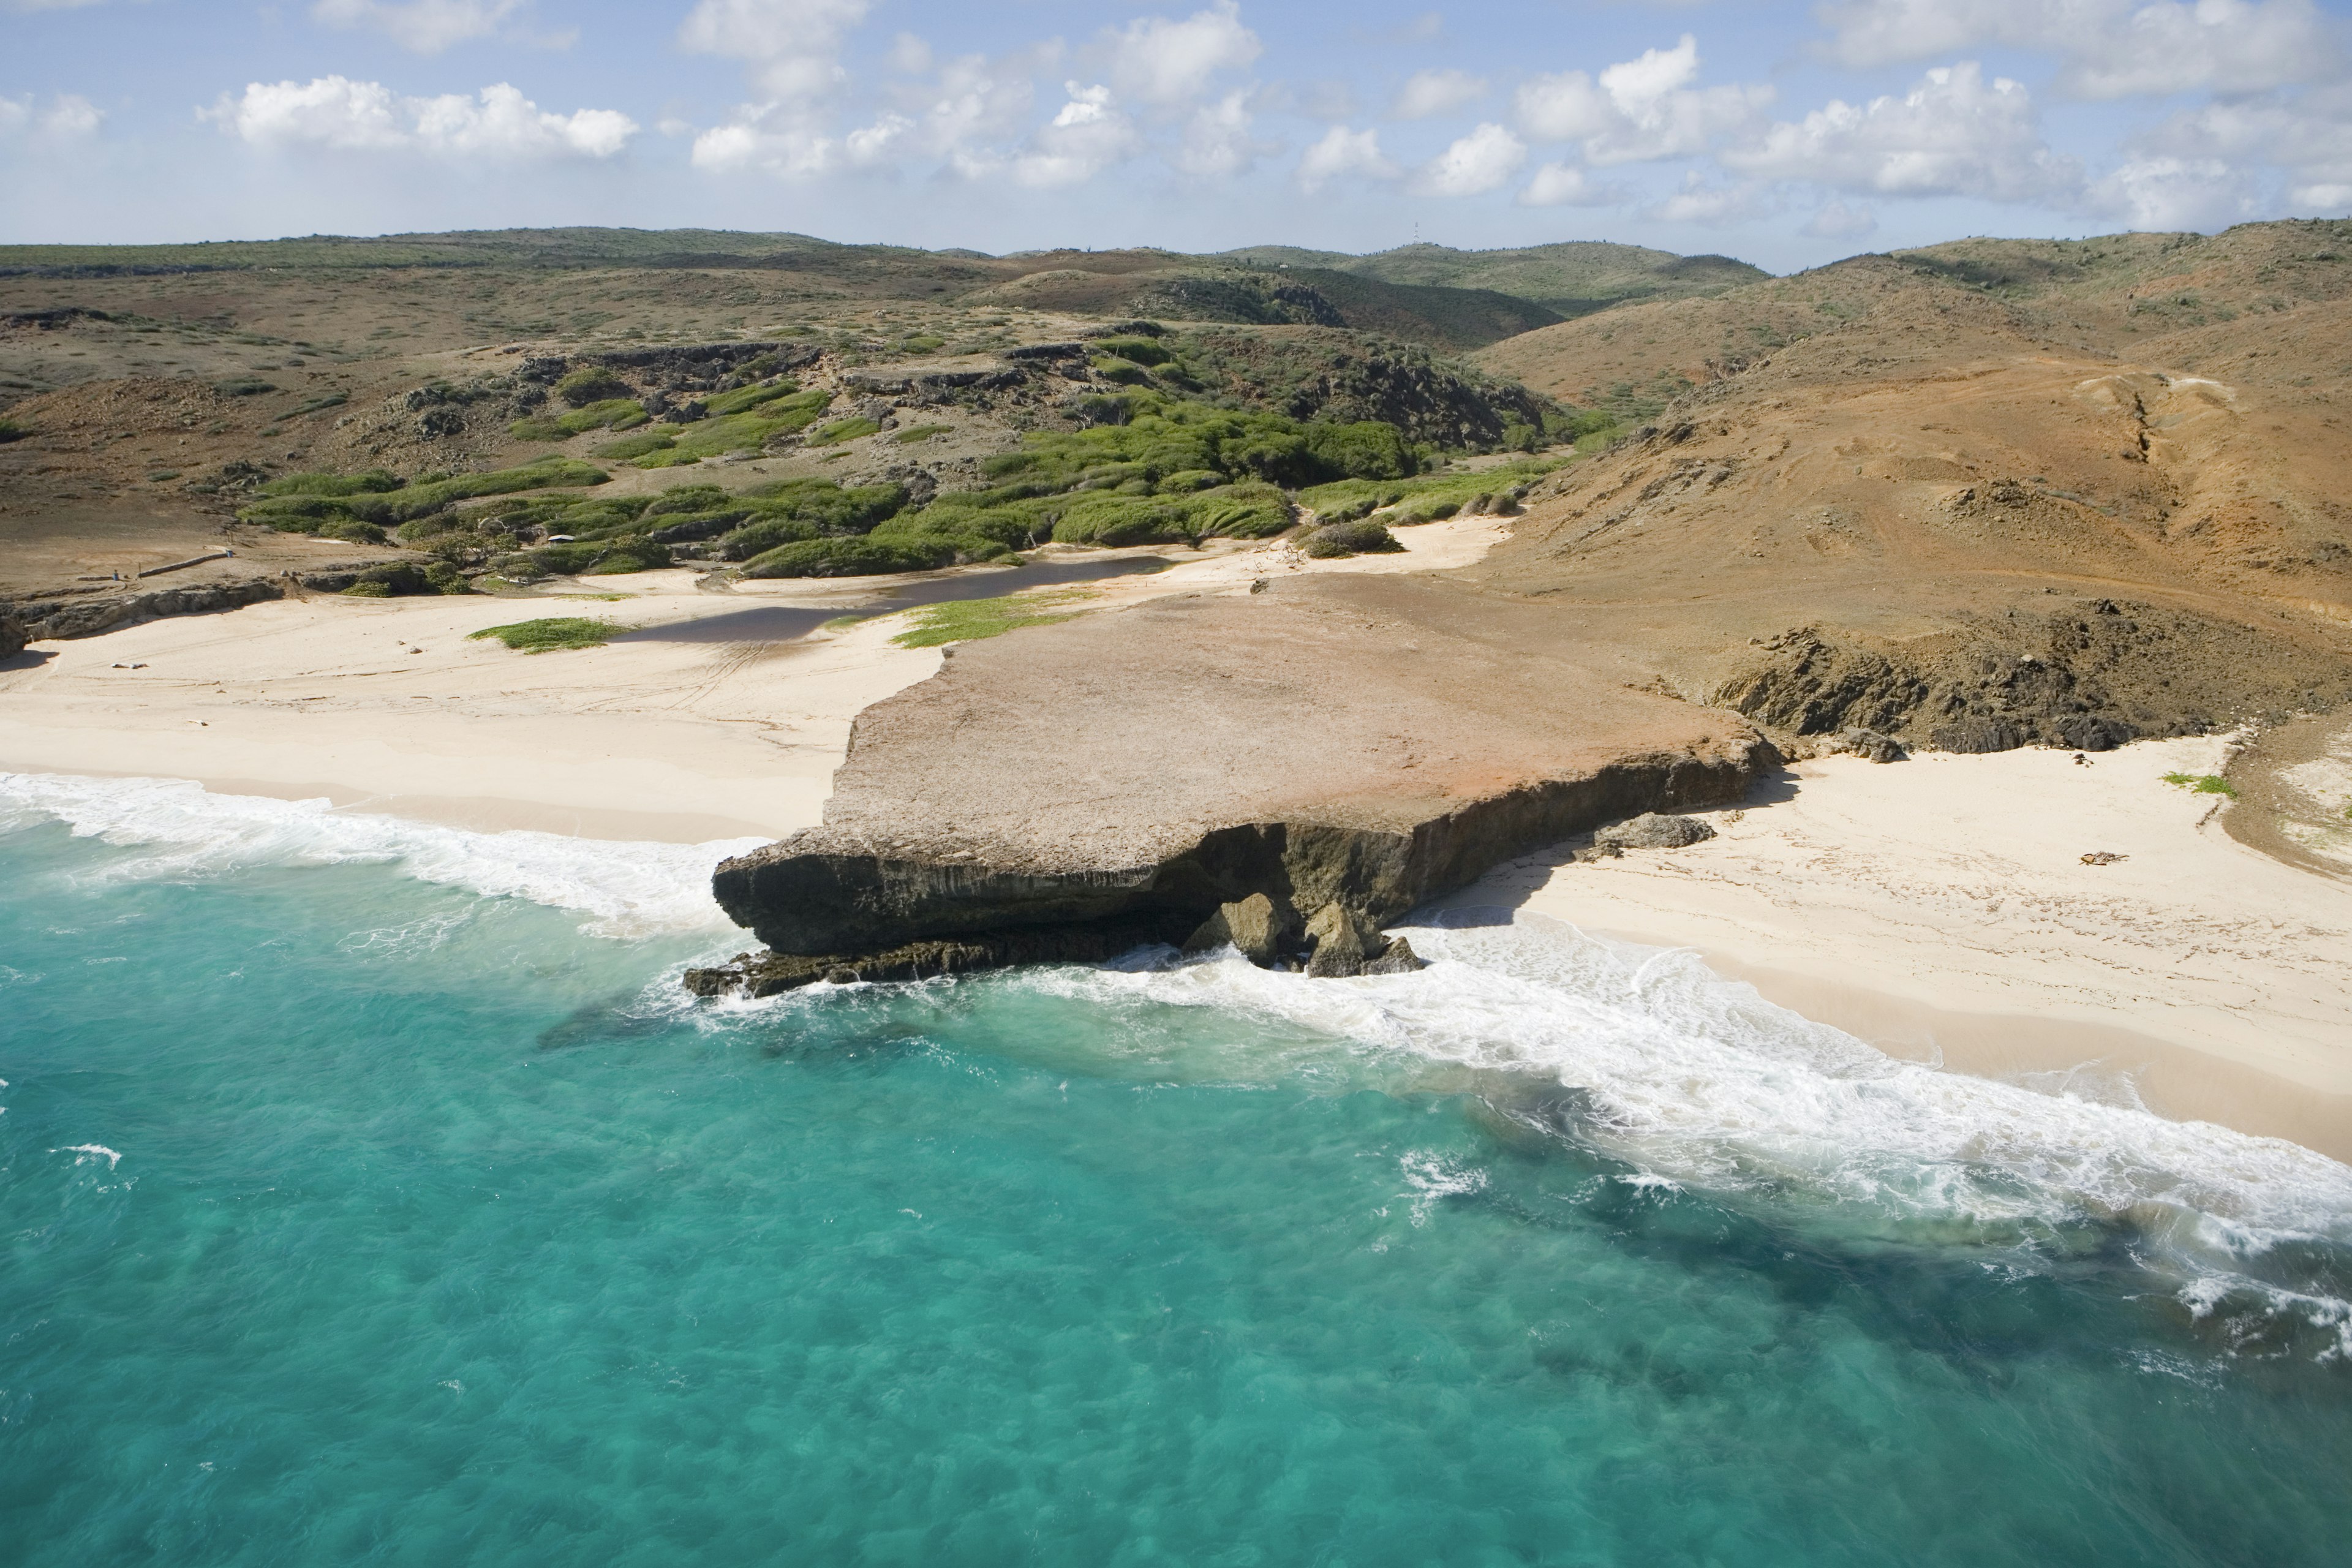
{"type": "Point", "coordinates": [1938, 908]}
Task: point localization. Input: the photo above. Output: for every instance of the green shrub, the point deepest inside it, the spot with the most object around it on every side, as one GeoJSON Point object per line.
{"type": "Point", "coordinates": [398, 580]}
{"type": "Point", "coordinates": [12, 431]}
{"type": "Point", "coordinates": [1364, 538]}
{"type": "Point", "coordinates": [308, 511]}
{"type": "Point", "coordinates": [863, 556]}
{"type": "Point", "coordinates": [1127, 373]}
{"type": "Point", "coordinates": [373, 481]}
{"type": "Point", "coordinates": [643, 444]}
{"type": "Point", "coordinates": [2203, 783]}
{"type": "Point", "coordinates": [552, 633]}
{"type": "Point", "coordinates": [766, 534]}
{"type": "Point", "coordinates": [842, 430]}
{"type": "Point", "coordinates": [615, 414]}
{"type": "Point", "coordinates": [592, 384]}
{"type": "Point", "coordinates": [600, 557]}
{"type": "Point", "coordinates": [243, 386]}
{"type": "Point", "coordinates": [351, 531]}
{"type": "Point", "coordinates": [537, 428]}
{"type": "Point", "coordinates": [746, 398]}
{"type": "Point", "coordinates": [915, 433]}
{"type": "Point", "coordinates": [1140, 350]}
{"type": "Point", "coordinates": [922, 344]}
{"type": "Point", "coordinates": [747, 431]}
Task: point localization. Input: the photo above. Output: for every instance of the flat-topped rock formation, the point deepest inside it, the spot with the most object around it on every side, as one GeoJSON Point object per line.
{"type": "Point", "coordinates": [1362, 741]}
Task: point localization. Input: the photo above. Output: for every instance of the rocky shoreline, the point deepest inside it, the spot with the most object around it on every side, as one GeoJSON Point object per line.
{"type": "Point", "coordinates": [1287, 771]}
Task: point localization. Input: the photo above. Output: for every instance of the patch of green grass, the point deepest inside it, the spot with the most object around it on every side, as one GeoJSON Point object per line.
{"type": "Point", "coordinates": [160, 475]}
{"type": "Point", "coordinates": [842, 430]}
{"type": "Point", "coordinates": [12, 431]}
{"type": "Point", "coordinates": [537, 428]}
{"type": "Point", "coordinates": [2203, 783]}
{"type": "Point", "coordinates": [616, 414]}
{"type": "Point", "coordinates": [639, 444]}
{"type": "Point", "coordinates": [319, 404]}
{"type": "Point", "coordinates": [243, 386]}
{"type": "Point", "coordinates": [970, 620]}
{"type": "Point", "coordinates": [913, 434]}
{"type": "Point", "coordinates": [550, 634]}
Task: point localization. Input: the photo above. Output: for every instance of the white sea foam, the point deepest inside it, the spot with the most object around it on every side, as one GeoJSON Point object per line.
{"type": "Point", "coordinates": [85, 1153]}
{"type": "Point", "coordinates": [1694, 1079]}
{"type": "Point", "coordinates": [625, 889]}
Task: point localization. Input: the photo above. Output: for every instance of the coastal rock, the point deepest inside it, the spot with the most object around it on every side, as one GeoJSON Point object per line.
{"type": "Point", "coordinates": [1262, 928]}
{"type": "Point", "coordinates": [1974, 736]}
{"type": "Point", "coordinates": [1399, 959]}
{"type": "Point", "coordinates": [772, 973]}
{"type": "Point", "coordinates": [1184, 755]}
{"type": "Point", "coordinates": [1872, 746]}
{"type": "Point", "coordinates": [13, 634]}
{"type": "Point", "coordinates": [90, 617]}
{"type": "Point", "coordinates": [1654, 830]}
{"type": "Point", "coordinates": [1345, 941]}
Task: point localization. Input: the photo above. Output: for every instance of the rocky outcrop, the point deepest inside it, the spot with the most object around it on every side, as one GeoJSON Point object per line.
{"type": "Point", "coordinates": [1654, 830]}
{"type": "Point", "coordinates": [2088, 676]}
{"type": "Point", "coordinates": [13, 633]}
{"type": "Point", "coordinates": [1356, 744]}
{"type": "Point", "coordinates": [88, 617]}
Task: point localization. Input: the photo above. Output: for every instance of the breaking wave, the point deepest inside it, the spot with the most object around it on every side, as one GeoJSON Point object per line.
{"type": "Point", "coordinates": [625, 889]}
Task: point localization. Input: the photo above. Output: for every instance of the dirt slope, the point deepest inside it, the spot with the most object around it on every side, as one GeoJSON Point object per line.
{"type": "Point", "coordinates": [1977, 521]}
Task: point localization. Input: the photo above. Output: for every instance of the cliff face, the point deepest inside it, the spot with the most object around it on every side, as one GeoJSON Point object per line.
{"type": "Point", "coordinates": [1369, 743]}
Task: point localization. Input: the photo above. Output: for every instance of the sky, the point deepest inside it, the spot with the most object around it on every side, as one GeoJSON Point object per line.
{"type": "Point", "coordinates": [1788, 134]}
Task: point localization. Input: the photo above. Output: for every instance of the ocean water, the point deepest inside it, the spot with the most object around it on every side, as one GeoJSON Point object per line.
{"type": "Point", "coordinates": [371, 1193]}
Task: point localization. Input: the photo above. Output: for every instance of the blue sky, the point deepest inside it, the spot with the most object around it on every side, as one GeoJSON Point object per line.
{"type": "Point", "coordinates": [1785, 134]}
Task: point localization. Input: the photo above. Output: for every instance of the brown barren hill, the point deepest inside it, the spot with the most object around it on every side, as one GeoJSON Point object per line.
{"type": "Point", "coordinates": [1952, 520]}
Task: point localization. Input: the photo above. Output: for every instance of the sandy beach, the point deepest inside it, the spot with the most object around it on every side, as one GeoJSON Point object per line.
{"type": "Point", "coordinates": [388, 705]}
{"type": "Point", "coordinates": [1939, 907]}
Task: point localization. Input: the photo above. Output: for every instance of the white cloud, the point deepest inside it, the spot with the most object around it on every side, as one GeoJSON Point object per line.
{"type": "Point", "coordinates": [1434, 93]}
{"type": "Point", "coordinates": [1953, 134]}
{"type": "Point", "coordinates": [2111, 49]}
{"type": "Point", "coordinates": [1715, 205]}
{"type": "Point", "coordinates": [334, 111]}
{"type": "Point", "coordinates": [1345, 154]}
{"type": "Point", "coordinates": [1835, 220]}
{"type": "Point", "coordinates": [427, 26]}
{"type": "Point", "coordinates": [1217, 140]}
{"type": "Point", "coordinates": [68, 116]}
{"type": "Point", "coordinates": [792, 47]}
{"type": "Point", "coordinates": [2215, 149]}
{"type": "Point", "coordinates": [1566, 185]}
{"type": "Point", "coordinates": [2176, 194]}
{"type": "Point", "coordinates": [1157, 61]}
{"type": "Point", "coordinates": [1638, 110]}
{"type": "Point", "coordinates": [910, 54]}
{"type": "Point", "coordinates": [1087, 136]}
{"type": "Point", "coordinates": [1479, 162]}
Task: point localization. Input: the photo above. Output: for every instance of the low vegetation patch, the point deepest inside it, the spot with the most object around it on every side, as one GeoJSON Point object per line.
{"type": "Point", "coordinates": [12, 431]}
{"type": "Point", "coordinates": [337, 504]}
{"type": "Point", "coordinates": [1362, 537]}
{"type": "Point", "coordinates": [915, 433]}
{"type": "Point", "coordinates": [2203, 783]}
{"type": "Point", "coordinates": [548, 636]}
{"type": "Point", "coordinates": [842, 430]}
{"type": "Point", "coordinates": [970, 620]}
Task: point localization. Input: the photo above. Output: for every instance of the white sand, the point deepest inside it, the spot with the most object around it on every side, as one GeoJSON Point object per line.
{"type": "Point", "coordinates": [675, 742]}
{"type": "Point", "coordinates": [1940, 907]}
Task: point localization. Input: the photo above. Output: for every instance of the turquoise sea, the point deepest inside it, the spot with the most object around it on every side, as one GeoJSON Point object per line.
{"type": "Point", "coordinates": [371, 1193]}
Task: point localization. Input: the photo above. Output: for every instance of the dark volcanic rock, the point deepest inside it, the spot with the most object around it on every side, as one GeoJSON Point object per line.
{"type": "Point", "coordinates": [1871, 746]}
{"type": "Point", "coordinates": [88, 617]}
{"type": "Point", "coordinates": [769, 974]}
{"type": "Point", "coordinates": [1652, 830]}
{"type": "Point", "coordinates": [13, 634]}
{"type": "Point", "coordinates": [1368, 741]}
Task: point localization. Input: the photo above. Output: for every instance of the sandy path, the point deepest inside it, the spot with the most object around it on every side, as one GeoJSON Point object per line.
{"type": "Point", "coordinates": [1941, 906]}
